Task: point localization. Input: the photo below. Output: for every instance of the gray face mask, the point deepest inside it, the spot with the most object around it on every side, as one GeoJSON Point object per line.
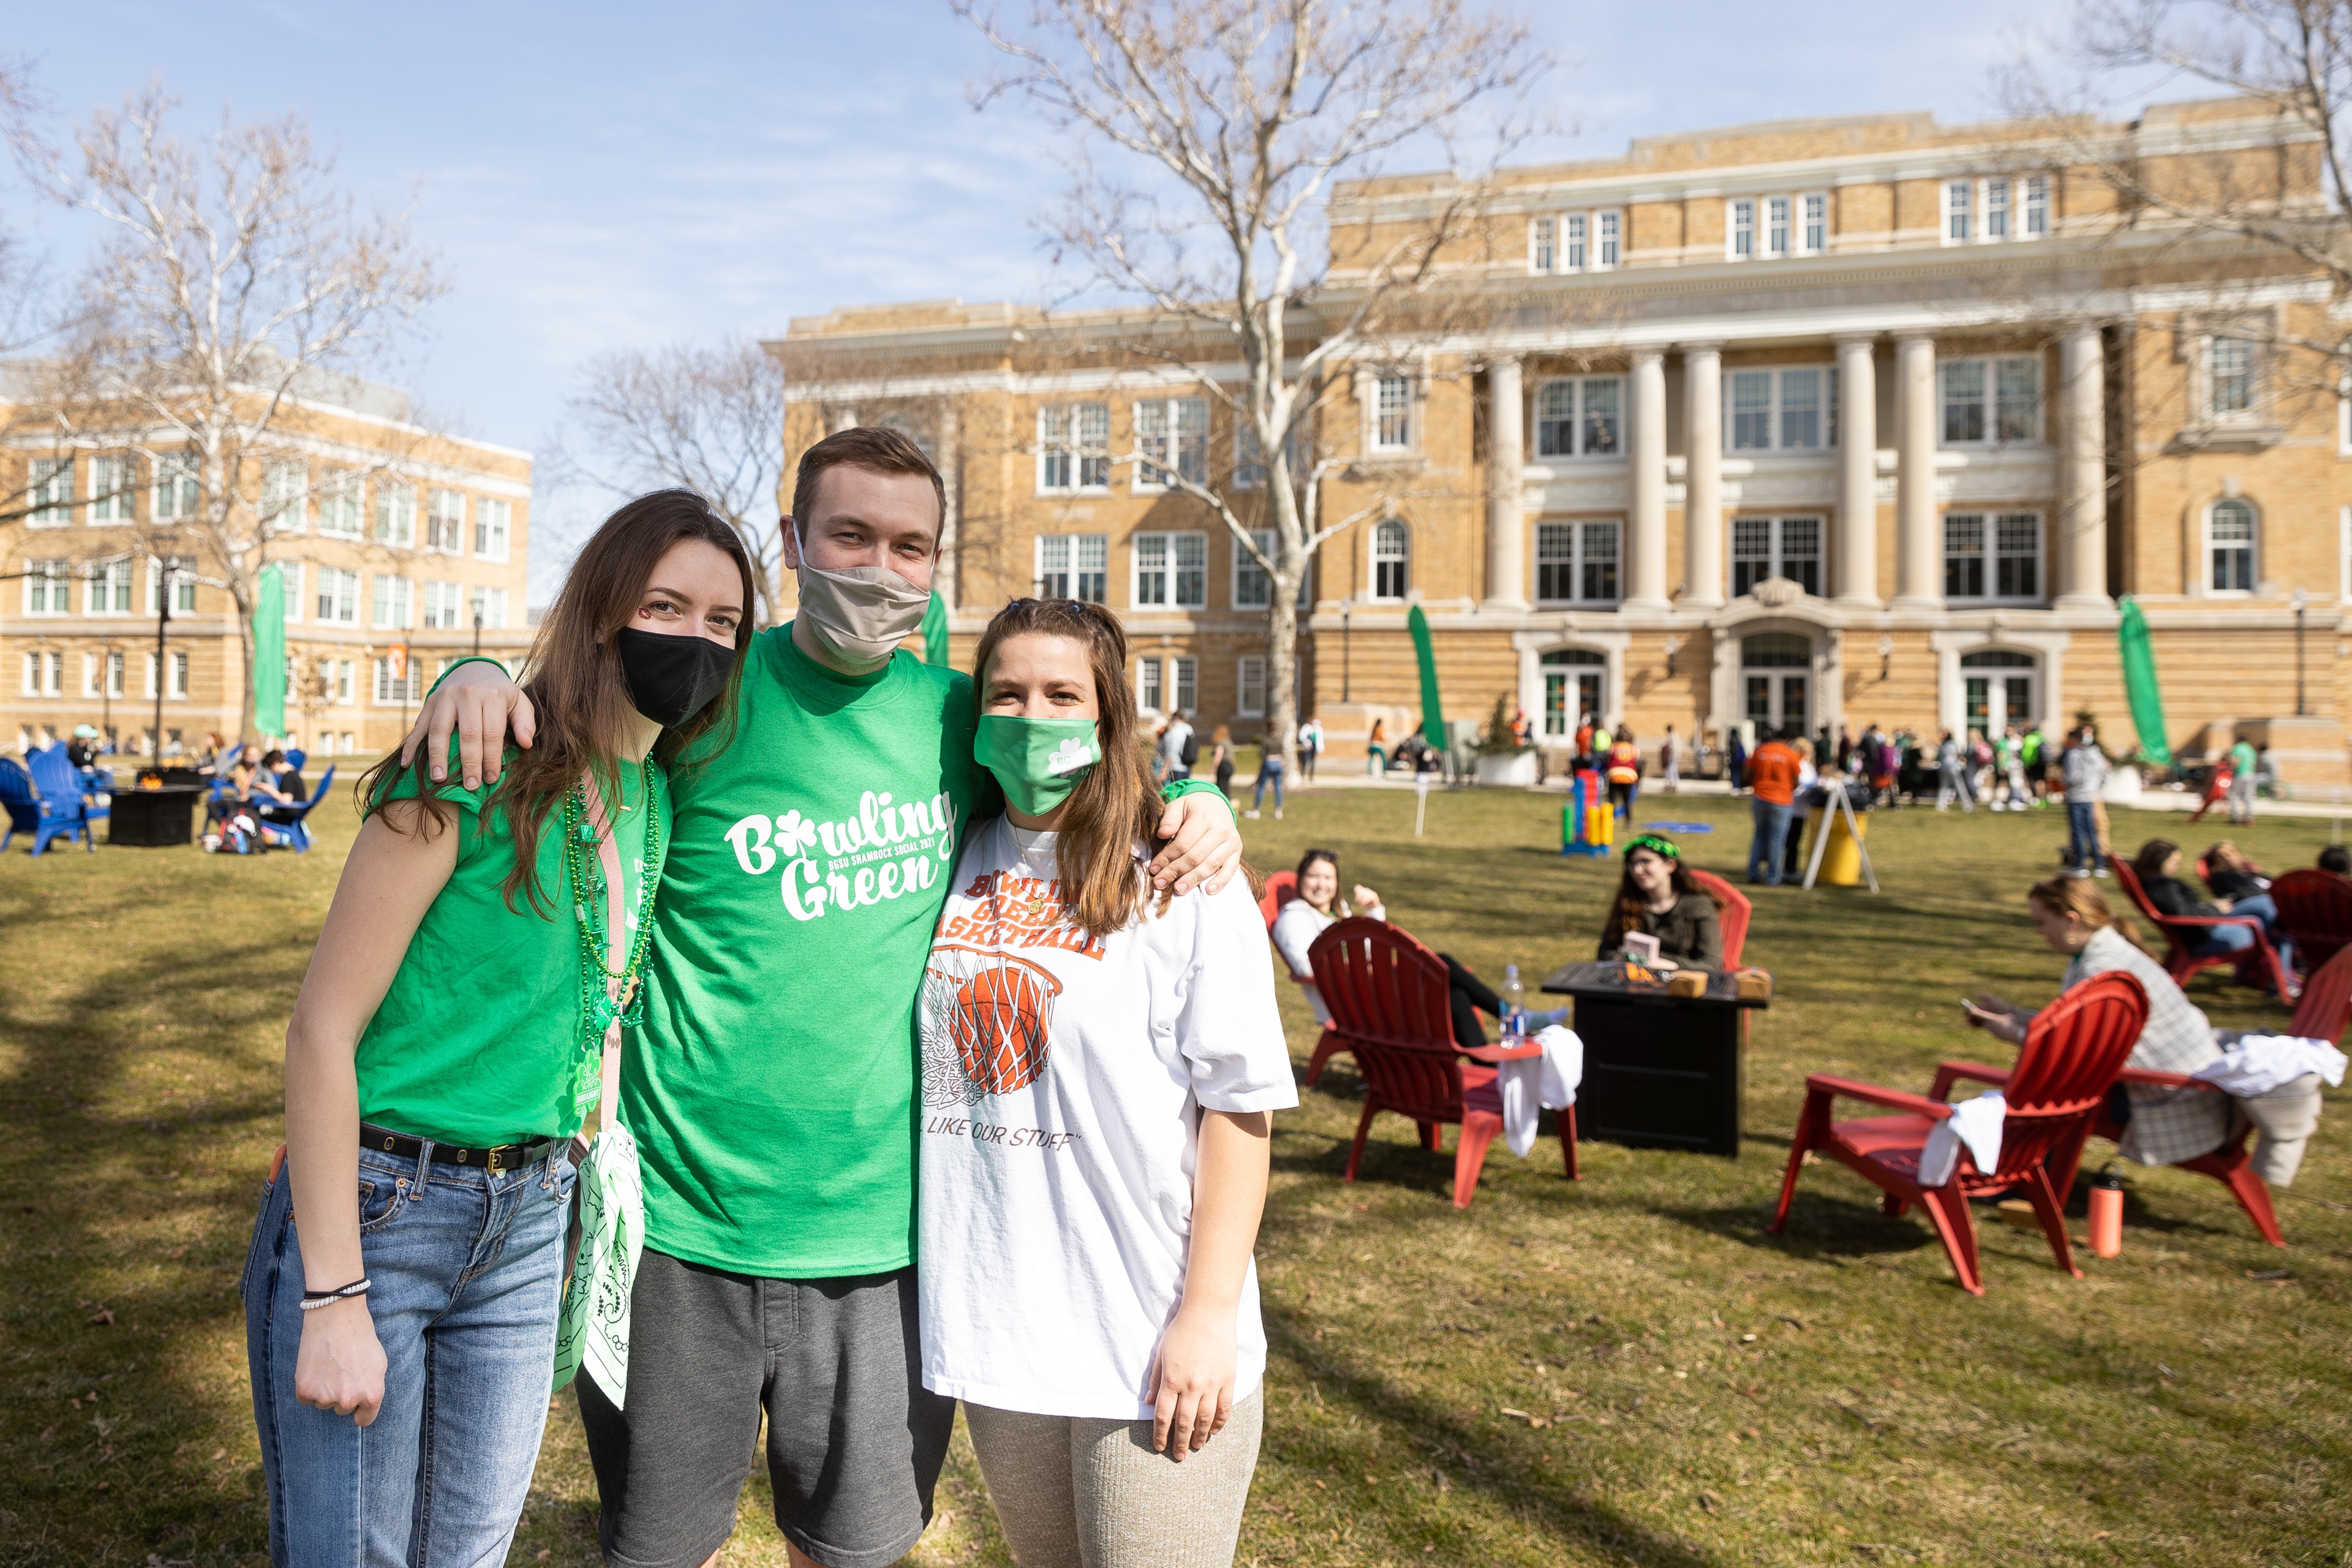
{"type": "Point", "coordinates": [859, 615]}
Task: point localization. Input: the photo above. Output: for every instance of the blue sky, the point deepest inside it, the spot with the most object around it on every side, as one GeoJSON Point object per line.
{"type": "Point", "coordinates": [598, 177]}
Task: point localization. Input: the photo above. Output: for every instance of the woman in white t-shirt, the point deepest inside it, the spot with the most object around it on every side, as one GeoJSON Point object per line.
{"type": "Point", "coordinates": [1098, 1068]}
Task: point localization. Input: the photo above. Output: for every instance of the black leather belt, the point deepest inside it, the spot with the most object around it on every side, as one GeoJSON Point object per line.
{"type": "Point", "coordinates": [505, 1157]}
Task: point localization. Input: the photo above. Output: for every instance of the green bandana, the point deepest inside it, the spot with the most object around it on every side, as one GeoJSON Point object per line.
{"type": "Point", "coordinates": [1037, 761]}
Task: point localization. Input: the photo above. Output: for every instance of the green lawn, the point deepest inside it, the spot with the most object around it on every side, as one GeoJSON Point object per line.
{"type": "Point", "coordinates": [1710, 1395]}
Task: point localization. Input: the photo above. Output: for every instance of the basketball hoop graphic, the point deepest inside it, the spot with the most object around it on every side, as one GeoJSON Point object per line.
{"type": "Point", "coordinates": [986, 1015]}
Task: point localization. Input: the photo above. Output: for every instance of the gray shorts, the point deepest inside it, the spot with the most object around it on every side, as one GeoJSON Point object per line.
{"type": "Point", "coordinates": [855, 1441]}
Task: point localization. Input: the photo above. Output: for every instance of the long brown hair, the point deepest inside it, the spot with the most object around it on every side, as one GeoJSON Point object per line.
{"type": "Point", "coordinates": [573, 680]}
{"type": "Point", "coordinates": [1114, 807]}
{"type": "Point", "coordinates": [2149, 861]}
{"type": "Point", "coordinates": [2074, 895]}
{"type": "Point", "coordinates": [1631, 903]}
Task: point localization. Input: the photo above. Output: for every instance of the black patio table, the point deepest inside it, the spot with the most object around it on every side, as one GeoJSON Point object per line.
{"type": "Point", "coordinates": [153, 818]}
{"type": "Point", "coordinates": [1660, 1071]}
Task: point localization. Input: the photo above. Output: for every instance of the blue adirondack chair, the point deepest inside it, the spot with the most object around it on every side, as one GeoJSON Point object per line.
{"type": "Point", "coordinates": [58, 783]}
{"type": "Point", "coordinates": [291, 824]}
{"type": "Point", "coordinates": [23, 807]}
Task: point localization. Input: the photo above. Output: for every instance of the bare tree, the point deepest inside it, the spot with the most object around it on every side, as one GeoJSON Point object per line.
{"type": "Point", "coordinates": [707, 419]}
{"type": "Point", "coordinates": [1243, 114]}
{"type": "Point", "coordinates": [233, 280]}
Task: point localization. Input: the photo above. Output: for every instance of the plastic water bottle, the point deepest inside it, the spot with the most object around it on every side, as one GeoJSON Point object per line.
{"type": "Point", "coordinates": [1515, 1004]}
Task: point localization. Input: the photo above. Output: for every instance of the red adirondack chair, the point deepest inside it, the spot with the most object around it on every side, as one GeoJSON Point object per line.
{"type": "Point", "coordinates": [2070, 1057]}
{"type": "Point", "coordinates": [2253, 965]}
{"type": "Point", "coordinates": [2315, 911]}
{"type": "Point", "coordinates": [1387, 994]}
{"type": "Point", "coordinates": [1731, 913]}
{"type": "Point", "coordinates": [1280, 889]}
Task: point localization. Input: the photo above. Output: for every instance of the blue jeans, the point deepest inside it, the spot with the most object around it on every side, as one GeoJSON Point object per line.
{"type": "Point", "coordinates": [2082, 836]}
{"type": "Point", "coordinates": [1771, 833]}
{"type": "Point", "coordinates": [2237, 939]}
{"type": "Point", "coordinates": [468, 1269]}
{"type": "Point", "coordinates": [1269, 771]}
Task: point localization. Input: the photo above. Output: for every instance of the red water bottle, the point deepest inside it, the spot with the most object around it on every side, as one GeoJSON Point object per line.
{"type": "Point", "coordinates": [2107, 1213]}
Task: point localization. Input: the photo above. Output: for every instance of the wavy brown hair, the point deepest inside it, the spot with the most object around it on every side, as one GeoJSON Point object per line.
{"type": "Point", "coordinates": [1631, 903]}
{"type": "Point", "coordinates": [578, 694]}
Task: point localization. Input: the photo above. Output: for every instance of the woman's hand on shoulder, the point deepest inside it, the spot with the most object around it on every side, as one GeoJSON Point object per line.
{"type": "Point", "coordinates": [1204, 844]}
{"type": "Point", "coordinates": [481, 703]}
{"type": "Point", "coordinates": [1194, 1374]}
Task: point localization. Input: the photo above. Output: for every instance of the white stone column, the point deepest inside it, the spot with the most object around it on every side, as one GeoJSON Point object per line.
{"type": "Point", "coordinates": [1857, 495]}
{"type": "Point", "coordinates": [2081, 547]}
{"type": "Point", "coordinates": [1918, 549]}
{"type": "Point", "coordinates": [1645, 556]}
{"type": "Point", "coordinates": [1506, 529]}
{"type": "Point", "coordinates": [1702, 477]}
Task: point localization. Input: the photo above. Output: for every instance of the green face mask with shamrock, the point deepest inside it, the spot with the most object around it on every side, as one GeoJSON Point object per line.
{"type": "Point", "coordinates": [1037, 761]}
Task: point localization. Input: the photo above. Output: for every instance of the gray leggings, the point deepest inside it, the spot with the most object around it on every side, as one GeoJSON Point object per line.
{"type": "Point", "coordinates": [1072, 1491]}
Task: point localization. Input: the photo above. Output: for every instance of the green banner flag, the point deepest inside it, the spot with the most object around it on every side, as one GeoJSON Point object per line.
{"type": "Point", "coordinates": [2140, 688]}
{"type": "Point", "coordinates": [935, 630]}
{"type": "Point", "coordinates": [269, 653]}
{"type": "Point", "coordinates": [1433, 711]}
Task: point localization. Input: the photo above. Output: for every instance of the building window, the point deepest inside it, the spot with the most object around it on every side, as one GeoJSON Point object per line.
{"type": "Point", "coordinates": [2037, 206]}
{"type": "Point", "coordinates": [1797, 224]}
{"type": "Point", "coordinates": [178, 674]}
{"type": "Point", "coordinates": [1073, 566]}
{"type": "Point", "coordinates": [1171, 570]}
{"type": "Point", "coordinates": [1743, 228]}
{"type": "Point", "coordinates": [116, 668]}
{"type": "Point", "coordinates": [441, 602]}
{"type": "Point", "coordinates": [1991, 402]}
{"type": "Point", "coordinates": [183, 584]}
{"type": "Point", "coordinates": [2230, 546]}
{"type": "Point", "coordinates": [1074, 446]}
{"type": "Point", "coordinates": [1249, 686]}
{"type": "Point", "coordinates": [46, 589]}
{"type": "Point", "coordinates": [1768, 547]}
{"type": "Point", "coordinates": [2229, 378]}
{"type": "Point", "coordinates": [445, 522]}
{"type": "Point", "coordinates": [395, 512]}
{"type": "Point", "coordinates": [1390, 557]}
{"type": "Point", "coordinates": [392, 604]}
{"type": "Point", "coordinates": [50, 497]}
{"type": "Point", "coordinates": [1543, 254]}
{"type": "Point", "coordinates": [1173, 434]}
{"type": "Point", "coordinates": [1605, 226]}
{"type": "Point", "coordinates": [1996, 209]}
{"type": "Point", "coordinates": [177, 493]}
{"type": "Point", "coordinates": [1816, 224]}
{"type": "Point", "coordinates": [1581, 416]}
{"type": "Point", "coordinates": [289, 576]}
{"type": "Point", "coordinates": [1575, 242]}
{"type": "Point", "coordinates": [1392, 413]}
{"type": "Point", "coordinates": [45, 674]}
{"type": "Point", "coordinates": [109, 588]}
{"type": "Point", "coordinates": [1249, 462]}
{"type": "Point", "coordinates": [110, 482]}
{"type": "Point", "coordinates": [490, 609]}
{"type": "Point", "coordinates": [340, 505]}
{"type": "Point", "coordinates": [1572, 680]}
{"type": "Point", "coordinates": [1576, 563]}
{"type": "Point", "coordinates": [1180, 676]}
{"type": "Point", "coordinates": [492, 521]}
{"type": "Point", "coordinates": [1253, 588]}
{"type": "Point", "coordinates": [1995, 556]}
{"type": "Point", "coordinates": [402, 690]}
{"type": "Point", "coordinates": [1959, 212]}
{"type": "Point", "coordinates": [1147, 685]}
{"type": "Point", "coordinates": [339, 596]}
{"type": "Point", "coordinates": [1572, 247]}
{"type": "Point", "coordinates": [286, 496]}
{"type": "Point", "coordinates": [1791, 410]}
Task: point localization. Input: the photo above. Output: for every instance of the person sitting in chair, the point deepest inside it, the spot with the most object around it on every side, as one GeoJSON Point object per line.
{"type": "Point", "coordinates": [1319, 906]}
{"type": "Point", "coordinates": [1656, 896]}
{"type": "Point", "coordinates": [2158, 867]}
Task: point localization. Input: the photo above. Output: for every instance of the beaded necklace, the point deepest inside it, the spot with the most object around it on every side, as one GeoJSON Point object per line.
{"type": "Point", "coordinates": [598, 1005]}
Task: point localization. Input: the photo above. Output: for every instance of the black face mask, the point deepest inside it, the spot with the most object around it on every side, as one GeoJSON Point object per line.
{"type": "Point", "coordinates": [672, 678]}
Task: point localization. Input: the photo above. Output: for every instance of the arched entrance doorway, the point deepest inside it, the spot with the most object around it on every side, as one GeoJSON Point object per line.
{"type": "Point", "coordinates": [1776, 677]}
{"type": "Point", "coordinates": [2000, 688]}
{"type": "Point", "coordinates": [1572, 688]}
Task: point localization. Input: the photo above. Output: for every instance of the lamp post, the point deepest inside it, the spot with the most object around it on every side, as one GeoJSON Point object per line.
{"type": "Point", "coordinates": [163, 620]}
{"type": "Point", "coordinates": [1347, 608]}
{"type": "Point", "coordinates": [477, 631]}
{"type": "Point", "coordinates": [2302, 606]}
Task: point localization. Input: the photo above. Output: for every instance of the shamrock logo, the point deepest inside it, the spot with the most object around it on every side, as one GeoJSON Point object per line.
{"type": "Point", "coordinates": [1069, 756]}
{"type": "Point", "coordinates": [795, 834]}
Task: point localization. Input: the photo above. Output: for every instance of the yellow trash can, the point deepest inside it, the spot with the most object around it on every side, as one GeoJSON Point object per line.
{"type": "Point", "coordinates": [1841, 861]}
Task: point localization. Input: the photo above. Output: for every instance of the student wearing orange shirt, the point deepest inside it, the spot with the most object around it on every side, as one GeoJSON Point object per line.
{"type": "Point", "coordinates": [1772, 776]}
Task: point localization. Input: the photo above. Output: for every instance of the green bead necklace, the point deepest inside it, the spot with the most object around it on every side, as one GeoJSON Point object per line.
{"type": "Point", "coordinates": [598, 1006]}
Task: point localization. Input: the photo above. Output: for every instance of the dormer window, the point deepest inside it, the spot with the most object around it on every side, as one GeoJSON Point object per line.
{"type": "Point", "coordinates": [1776, 226]}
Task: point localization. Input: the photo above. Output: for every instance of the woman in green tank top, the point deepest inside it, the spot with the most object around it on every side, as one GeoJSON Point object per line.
{"type": "Point", "coordinates": [480, 957]}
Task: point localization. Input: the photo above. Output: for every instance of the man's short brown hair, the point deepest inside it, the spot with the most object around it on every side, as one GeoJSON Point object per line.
{"type": "Point", "coordinates": [877, 449]}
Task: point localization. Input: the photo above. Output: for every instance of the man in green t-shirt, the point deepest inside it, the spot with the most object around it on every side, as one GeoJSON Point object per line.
{"type": "Point", "coordinates": [2245, 773]}
{"type": "Point", "coordinates": [771, 1088]}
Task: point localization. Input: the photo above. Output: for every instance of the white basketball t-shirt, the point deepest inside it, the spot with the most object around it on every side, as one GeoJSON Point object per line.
{"type": "Point", "coordinates": [1063, 1083]}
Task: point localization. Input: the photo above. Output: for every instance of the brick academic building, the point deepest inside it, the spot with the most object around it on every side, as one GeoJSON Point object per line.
{"type": "Point", "coordinates": [1815, 423]}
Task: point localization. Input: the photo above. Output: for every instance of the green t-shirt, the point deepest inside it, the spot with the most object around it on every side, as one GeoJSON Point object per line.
{"type": "Point", "coordinates": [2242, 759]}
{"type": "Point", "coordinates": [477, 1041]}
{"type": "Point", "coordinates": [771, 1090]}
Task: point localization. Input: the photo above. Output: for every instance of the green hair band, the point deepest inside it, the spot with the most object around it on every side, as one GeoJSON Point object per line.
{"type": "Point", "coordinates": [1655, 844]}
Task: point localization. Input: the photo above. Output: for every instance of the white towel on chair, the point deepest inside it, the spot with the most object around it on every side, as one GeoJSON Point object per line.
{"type": "Point", "coordinates": [1975, 1123]}
{"type": "Point", "coordinates": [1532, 1085]}
{"type": "Point", "coordinates": [2259, 1063]}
